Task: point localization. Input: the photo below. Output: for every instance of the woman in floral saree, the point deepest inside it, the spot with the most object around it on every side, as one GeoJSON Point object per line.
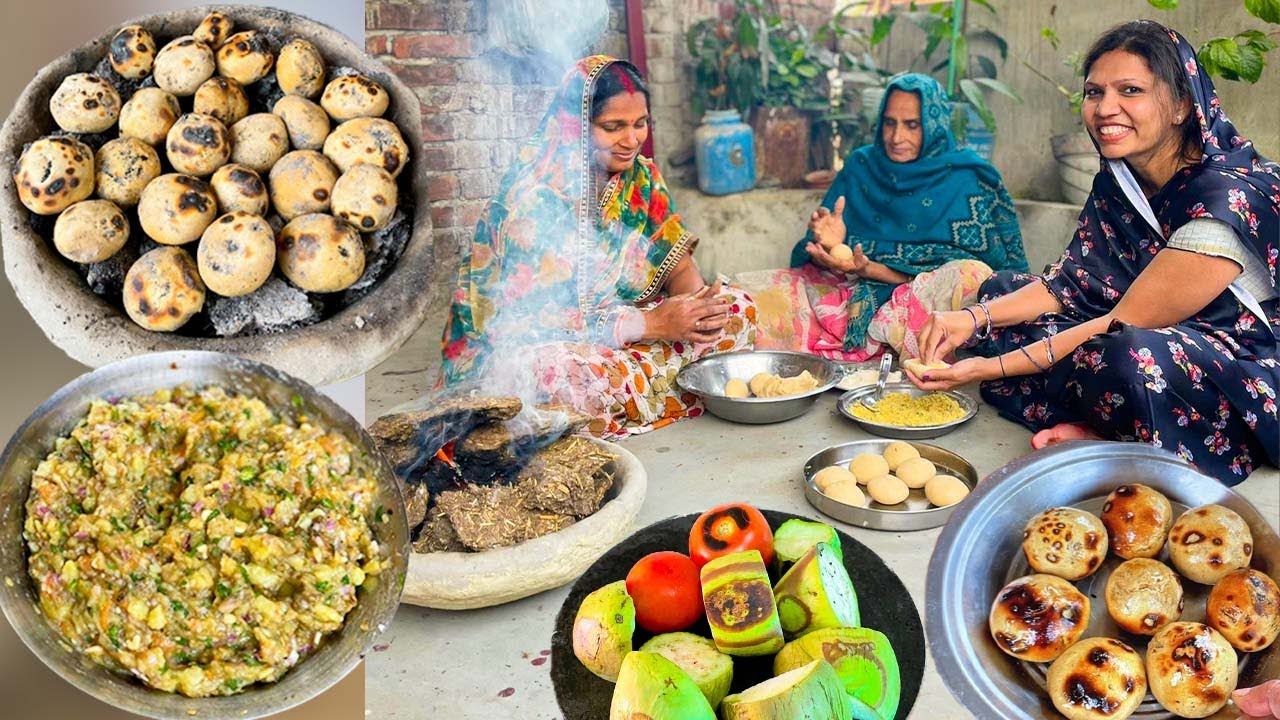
{"type": "Point", "coordinates": [926, 222]}
{"type": "Point", "coordinates": [580, 283]}
{"type": "Point", "coordinates": [1159, 322]}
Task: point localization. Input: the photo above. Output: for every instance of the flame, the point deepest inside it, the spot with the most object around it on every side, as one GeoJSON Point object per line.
{"type": "Point", "coordinates": [445, 454]}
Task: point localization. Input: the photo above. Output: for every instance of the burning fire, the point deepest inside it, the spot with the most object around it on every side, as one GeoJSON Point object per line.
{"type": "Point", "coordinates": [445, 455]}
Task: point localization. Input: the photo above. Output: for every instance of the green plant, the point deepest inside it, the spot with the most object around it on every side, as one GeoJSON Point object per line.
{"type": "Point", "coordinates": [727, 68]}
{"type": "Point", "coordinates": [967, 67]}
{"type": "Point", "coordinates": [1243, 56]}
{"type": "Point", "coordinates": [1073, 60]}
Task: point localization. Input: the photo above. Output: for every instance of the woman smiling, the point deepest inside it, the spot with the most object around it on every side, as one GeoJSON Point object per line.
{"type": "Point", "coordinates": [1159, 322]}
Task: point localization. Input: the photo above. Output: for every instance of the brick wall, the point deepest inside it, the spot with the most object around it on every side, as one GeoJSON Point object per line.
{"type": "Point", "coordinates": [478, 104]}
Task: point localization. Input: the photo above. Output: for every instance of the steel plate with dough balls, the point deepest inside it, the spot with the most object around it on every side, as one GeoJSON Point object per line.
{"type": "Point", "coordinates": [980, 550]}
{"type": "Point", "coordinates": [914, 513]}
{"type": "Point", "coordinates": [882, 599]}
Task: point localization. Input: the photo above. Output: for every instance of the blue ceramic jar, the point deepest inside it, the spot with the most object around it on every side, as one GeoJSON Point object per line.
{"type": "Point", "coordinates": [724, 149]}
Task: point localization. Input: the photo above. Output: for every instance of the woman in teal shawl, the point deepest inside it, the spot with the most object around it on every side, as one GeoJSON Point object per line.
{"type": "Point", "coordinates": [921, 223]}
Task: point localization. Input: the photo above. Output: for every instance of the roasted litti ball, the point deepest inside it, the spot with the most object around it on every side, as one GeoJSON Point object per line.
{"type": "Point", "coordinates": [307, 122]}
{"type": "Point", "coordinates": [1097, 679]}
{"type": "Point", "coordinates": [867, 466]}
{"type": "Point", "coordinates": [245, 57]}
{"type": "Point", "coordinates": [124, 167]}
{"type": "Point", "coordinates": [367, 140]}
{"type": "Point", "coordinates": [1208, 542]}
{"type": "Point", "coordinates": [163, 290]}
{"type": "Point", "coordinates": [52, 173]}
{"type": "Point", "coordinates": [214, 29]}
{"type": "Point", "coordinates": [222, 98]}
{"type": "Point", "coordinates": [320, 253]}
{"type": "Point", "coordinates": [132, 52]}
{"type": "Point", "coordinates": [353, 96]}
{"type": "Point", "coordinates": [237, 254]}
{"type": "Point", "coordinates": [175, 209]}
{"type": "Point", "coordinates": [300, 69]}
{"type": "Point", "coordinates": [899, 452]}
{"type": "Point", "coordinates": [259, 141]}
{"type": "Point", "coordinates": [1191, 669]}
{"type": "Point", "coordinates": [90, 231]}
{"type": "Point", "coordinates": [366, 197]}
{"type": "Point", "coordinates": [1143, 595]}
{"type": "Point", "coordinates": [1066, 542]}
{"type": "Point", "coordinates": [1037, 617]}
{"type": "Point", "coordinates": [182, 65]}
{"type": "Point", "coordinates": [239, 188]}
{"type": "Point", "coordinates": [302, 183]}
{"type": "Point", "coordinates": [198, 145]}
{"type": "Point", "coordinates": [1137, 519]}
{"type": "Point", "coordinates": [85, 103]}
{"type": "Point", "coordinates": [149, 115]}
{"type": "Point", "coordinates": [1245, 607]}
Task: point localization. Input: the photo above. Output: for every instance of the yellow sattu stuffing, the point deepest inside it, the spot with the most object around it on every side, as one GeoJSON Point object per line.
{"type": "Point", "coordinates": [902, 410]}
{"type": "Point", "coordinates": [197, 540]}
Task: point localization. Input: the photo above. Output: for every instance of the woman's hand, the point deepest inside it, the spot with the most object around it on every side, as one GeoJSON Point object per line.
{"type": "Point", "coordinates": [827, 226]}
{"type": "Point", "coordinates": [697, 316]}
{"type": "Point", "coordinates": [962, 373]}
{"type": "Point", "coordinates": [943, 332]}
{"type": "Point", "coordinates": [856, 265]}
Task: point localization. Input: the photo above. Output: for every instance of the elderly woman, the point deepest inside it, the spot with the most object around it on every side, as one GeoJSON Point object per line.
{"type": "Point", "coordinates": [910, 224]}
{"type": "Point", "coordinates": [580, 286]}
{"type": "Point", "coordinates": [1159, 322]}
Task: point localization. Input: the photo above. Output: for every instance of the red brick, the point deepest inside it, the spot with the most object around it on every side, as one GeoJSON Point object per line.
{"type": "Point", "coordinates": [394, 16]}
{"type": "Point", "coordinates": [469, 214]}
{"type": "Point", "coordinates": [429, 46]}
{"type": "Point", "coordinates": [438, 73]}
{"type": "Point", "coordinates": [441, 216]}
{"type": "Point", "coordinates": [376, 44]}
{"type": "Point", "coordinates": [442, 187]}
{"type": "Point", "coordinates": [438, 157]}
{"type": "Point", "coordinates": [438, 127]}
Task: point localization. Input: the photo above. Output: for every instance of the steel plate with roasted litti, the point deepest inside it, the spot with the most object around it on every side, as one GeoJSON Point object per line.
{"type": "Point", "coordinates": [181, 123]}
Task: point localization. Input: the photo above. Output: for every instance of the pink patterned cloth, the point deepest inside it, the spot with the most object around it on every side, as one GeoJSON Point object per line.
{"type": "Point", "coordinates": [806, 309]}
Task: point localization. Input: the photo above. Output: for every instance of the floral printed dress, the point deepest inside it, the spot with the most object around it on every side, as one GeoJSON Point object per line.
{"type": "Point", "coordinates": [1205, 388]}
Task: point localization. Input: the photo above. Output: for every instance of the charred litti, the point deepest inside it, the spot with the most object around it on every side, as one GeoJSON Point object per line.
{"type": "Point", "coordinates": [1097, 679]}
{"type": "Point", "coordinates": [1037, 617]}
{"type": "Point", "coordinates": [124, 168]}
{"type": "Point", "coordinates": [1066, 542]}
{"type": "Point", "coordinates": [222, 98]}
{"type": "Point", "coordinates": [372, 140]}
{"type": "Point", "coordinates": [90, 231]}
{"type": "Point", "coordinates": [259, 141]}
{"type": "Point", "coordinates": [300, 69]}
{"type": "Point", "coordinates": [163, 289]}
{"type": "Point", "coordinates": [85, 103]}
{"type": "Point", "coordinates": [307, 122]}
{"type": "Point", "coordinates": [366, 197]}
{"type": "Point", "coordinates": [320, 253]}
{"type": "Point", "coordinates": [1137, 519]}
{"type": "Point", "coordinates": [175, 209]}
{"type": "Point", "coordinates": [182, 65]}
{"type": "Point", "coordinates": [236, 254]}
{"type": "Point", "coordinates": [198, 145]}
{"type": "Point", "coordinates": [53, 173]}
{"type": "Point", "coordinates": [1208, 542]}
{"type": "Point", "coordinates": [245, 57]}
{"type": "Point", "coordinates": [301, 183]}
{"type": "Point", "coordinates": [240, 188]}
{"type": "Point", "coordinates": [149, 115]}
{"type": "Point", "coordinates": [132, 52]}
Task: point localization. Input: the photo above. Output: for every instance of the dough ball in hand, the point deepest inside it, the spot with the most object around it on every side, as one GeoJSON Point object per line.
{"type": "Point", "coordinates": [846, 492]}
{"type": "Point", "coordinates": [944, 490]}
{"type": "Point", "coordinates": [918, 367]}
{"type": "Point", "coordinates": [1066, 542]}
{"type": "Point", "coordinates": [916, 472]}
{"type": "Point", "coordinates": [866, 466]}
{"type": "Point", "coordinates": [899, 452]}
{"type": "Point", "coordinates": [841, 252]}
{"type": "Point", "coordinates": [887, 490]}
{"type": "Point", "coordinates": [1208, 542]}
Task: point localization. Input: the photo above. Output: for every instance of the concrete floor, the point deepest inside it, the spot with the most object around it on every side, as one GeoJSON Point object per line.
{"type": "Point", "coordinates": [492, 663]}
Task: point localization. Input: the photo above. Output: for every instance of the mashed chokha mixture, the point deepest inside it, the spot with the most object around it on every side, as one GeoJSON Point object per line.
{"type": "Point", "coordinates": [199, 541]}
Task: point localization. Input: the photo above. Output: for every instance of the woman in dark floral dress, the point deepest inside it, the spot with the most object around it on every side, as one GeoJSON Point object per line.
{"type": "Point", "coordinates": [1160, 321]}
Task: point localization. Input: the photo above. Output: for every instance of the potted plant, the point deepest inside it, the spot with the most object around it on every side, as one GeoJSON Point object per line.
{"type": "Point", "coordinates": [727, 83]}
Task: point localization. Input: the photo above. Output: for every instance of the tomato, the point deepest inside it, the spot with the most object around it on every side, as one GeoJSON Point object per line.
{"type": "Point", "coordinates": [729, 529]}
{"type": "Point", "coordinates": [666, 591]}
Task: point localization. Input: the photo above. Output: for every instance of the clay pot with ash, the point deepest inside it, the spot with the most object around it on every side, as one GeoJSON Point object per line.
{"type": "Point", "coordinates": [782, 139]}
{"type": "Point", "coordinates": [504, 501]}
{"type": "Point", "coordinates": [346, 334]}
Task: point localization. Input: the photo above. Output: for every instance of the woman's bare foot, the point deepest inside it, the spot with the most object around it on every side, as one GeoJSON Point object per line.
{"type": "Point", "coordinates": [1262, 701]}
{"type": "Point", "coordinates": [1063, 431]}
